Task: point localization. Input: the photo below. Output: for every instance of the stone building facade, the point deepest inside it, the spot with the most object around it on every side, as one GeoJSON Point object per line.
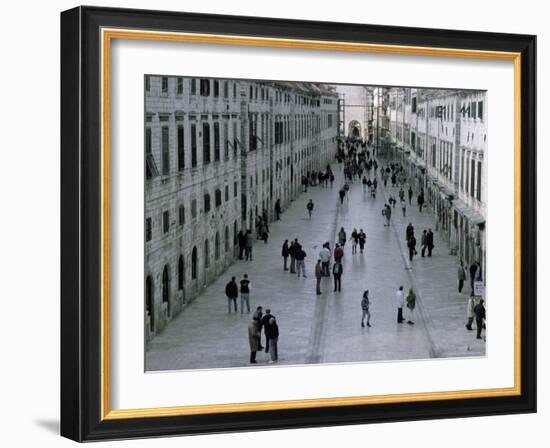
{"type": "Point", "coordinates": [441, 137]}
{"type": "Point", "coordinates": [357, 111]}
{"type": "Point", "coordinates": [218, 153]}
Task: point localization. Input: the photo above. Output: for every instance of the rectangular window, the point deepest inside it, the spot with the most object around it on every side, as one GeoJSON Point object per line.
{"type": "Point", "coordinates": [480, 109]}
{"type": "Point", "coordinates": [413, 107]}
{"type": "Point", "coordinates": [166, 221]}
{"type": "Point", "coordinates": [194, 208]}
{"type": "Point", "coordinates": [206, 203]}
{"type": "Point", "coordinates": [181, 215]}
{"type": "Point", "coordinates": [478, 179]}
{"type": "Point", "coordinates": [235, 144]}
{"type": "Point", "coordinates": [147, 83]}
{"type": "Point", "coordinates": [193, 145]}
{"type": "Point", "coordinates": [165, 150]}
{"type": "Point", "coordinates": [225, 89]}
{"type": "Point", "coordinates": [148, 229]}
{"type": "Point", "coordinates": [216, 141]}
{"type": "Point", "coordinates": [164, 84]}
{"type": "Point", "coordinates": [193, 86]}
{"type": "Point", "coordinates": [205, 87]}
{"type": "Point", "coordinates": [235, 189]}
{"type": "Point", "coordinates": [234, 90]}
{"type": "Point", "coordinates": [218, 197]}
{"type": "Point", "coordinates": [180, 86]}
{"type": "Point", "coordinates": [206, 143]}
{"type": "Point", "coordinates": [474, 109]}
{"type": "Point", "coordinates": [216, 88]}
{"type": "Point", "coordinates": [181, 151]}
{"type": "Point", "coordinates": [462, 170]}
{"type": "Point", "coordinates": [225, 141]}
{"type": "Point", "coordinates": [148, 153]}
{"type": "Point", "coordinates": [472, 177]}
{"type": "Point", "coordinates": [226, 193]}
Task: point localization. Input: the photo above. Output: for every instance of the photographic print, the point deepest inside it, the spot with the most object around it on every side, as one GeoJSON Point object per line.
{"type": "Point", "coordinates": [291, 223]}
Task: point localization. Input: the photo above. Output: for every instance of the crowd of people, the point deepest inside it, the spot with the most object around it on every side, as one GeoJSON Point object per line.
{"type": "Point", "coordinates": [358, 164]}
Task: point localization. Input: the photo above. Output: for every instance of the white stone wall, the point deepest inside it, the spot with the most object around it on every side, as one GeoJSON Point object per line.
{"type": "Point", "coordinates": [253, 177]}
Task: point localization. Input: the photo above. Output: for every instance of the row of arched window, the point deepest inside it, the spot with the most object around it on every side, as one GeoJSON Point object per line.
{"type": "Point", "coordinates": [166, 275]}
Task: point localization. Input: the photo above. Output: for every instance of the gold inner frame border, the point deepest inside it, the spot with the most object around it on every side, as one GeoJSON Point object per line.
{"type": "Point", "coordinates": [107, 35]}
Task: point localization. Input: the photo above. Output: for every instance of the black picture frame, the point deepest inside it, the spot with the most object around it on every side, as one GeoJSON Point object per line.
{"type": "Point", "coordinates": [81, 224]}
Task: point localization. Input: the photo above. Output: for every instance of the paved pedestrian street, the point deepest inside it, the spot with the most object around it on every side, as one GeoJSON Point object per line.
{"type": "Point", "coordinates": [326, 328]}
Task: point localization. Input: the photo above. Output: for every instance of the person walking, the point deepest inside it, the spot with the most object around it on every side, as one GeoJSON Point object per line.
{"type": "Point", "coordinates": [253, 340]}
{"type": "Point", "coordinates": [342, 237]}
{"type": "Point", "coordinates": [461, 276]}
{"type": "Point", "coordinates": [231, 292]}
{"type": "Point", "coordinates": [337, 271]}
{"type": "Point", "coordinates": [401, 194]}
{"type": "Point", "coordinates": [245, 293]}
{"type": "Point", "coordinates": [404, 209]}
{"type": "Point", "coordinates": [292, 252]}
{"type": "Point", "coordinates": [479, 311]}
{"type": "Point", "coordinates": [318, 276]}
{"type": "Point", "coordinates": [362, 240]}
{"type": "Point", "coordinates": [400, 302]}
{"type": "Point", "coordinates": [410, 191]}
{"type": "Point", "coordinates": [241, 238]}
{"type": "Point", "coordinates": [473, 269]}
{"type": "Point", "coordinates": [420, 201]}
{"type": "Point", "coordinates": [411, 244]}
{"type": "Point", "coordinates": [424, 242]}
{"type": "Point", "coordinates": [263, 324]}
{"type": "Point", "coordinates": [365, 305]}
{"type": "Point", "coordinates": [264, 231]}
{"type": "Point", "coordinates": [430, 242]}
{"type": "Point", "coordinates": [324, 256]}
{"type": "Point", "coordinates": [309, 207]}
{"type": "Point", "coordinates": [272, 336]}
{"type": "Point", "coordinates": [285, 253]}
{"type": "Point", "coordinates": [338, 254]}
{"type": "Point", "coordinates": [470, 314]}
{"type": "Point", "coordinates": [354, 241]}
{"type": "Point", "coordinates": [411, 305]}
{"type": "Point", "coordinates": [387, 215]}
{"type": "Point", "coordinates": [301, 262]}
{"type": "Point", "coordinates": [249, 242]}
{"type": "Point", "coordinates": [409, 231]}
{"type": "Point", "coordinates": [342, 194]}
{"type": "Point", "coordinates": [278, 209]}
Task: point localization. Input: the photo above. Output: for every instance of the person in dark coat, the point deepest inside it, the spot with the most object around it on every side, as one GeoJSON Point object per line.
{"type": "Point", "coordinates": [473, 269]}
{"type": "Point", "coordinates": [410, 195]}
{"type": "Point", "coordinates": [232, 292]}
{"type": "Point", "coordinates": [292, 252]}
{"type": "Point", "coordinates": [278, 209]}
{"type": "Point", "coordinates": [253, 340]}
{"type": "Point", "coordinates": [479, 311]}
{"type": "Point", "coordinates": [272, 335]}
{"type": "Point", "coordinates": [430, 242]}
{"type": "Point", "coordinates": [337, 271]}
{"type": "Point", "coordinates": [285, 252]}
{"type": "Point", "coordinates": [409, 232]}
{"type": "Point", "coordinates": [263, 324]}
{"type": "Point", "coordinates": [411, 244]}
{"type": "Point", "coordinates": [241, 238]}
{"type": "Point", "coordinates": [420, 201]}
{"type": "Point", "coordinates": [424, 242]}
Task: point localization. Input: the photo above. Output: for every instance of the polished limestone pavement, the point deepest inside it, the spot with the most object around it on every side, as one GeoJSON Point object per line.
{"type": "Point", "coordinates": [326, 328]}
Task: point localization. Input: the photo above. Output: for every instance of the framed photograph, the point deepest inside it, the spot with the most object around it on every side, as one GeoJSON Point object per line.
{"type": "Point", "coordinates": [273, 223]}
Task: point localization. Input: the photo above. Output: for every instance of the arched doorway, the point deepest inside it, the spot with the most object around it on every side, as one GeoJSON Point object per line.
{"type": "Point", "coordinates": [354, 129]}
{"type": "Point", "coordinates": [181, 273]}
{"type": "Point", "coordinates": [217, 246]}
{"type": "Point", "coordinates": [227, 242]}
{"type": "Point", "coordinates": [150, 302]}
{"type": "Point", "coordinates": [194, 262]}
{"type": "Point", "coordinates": [166, 287]}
